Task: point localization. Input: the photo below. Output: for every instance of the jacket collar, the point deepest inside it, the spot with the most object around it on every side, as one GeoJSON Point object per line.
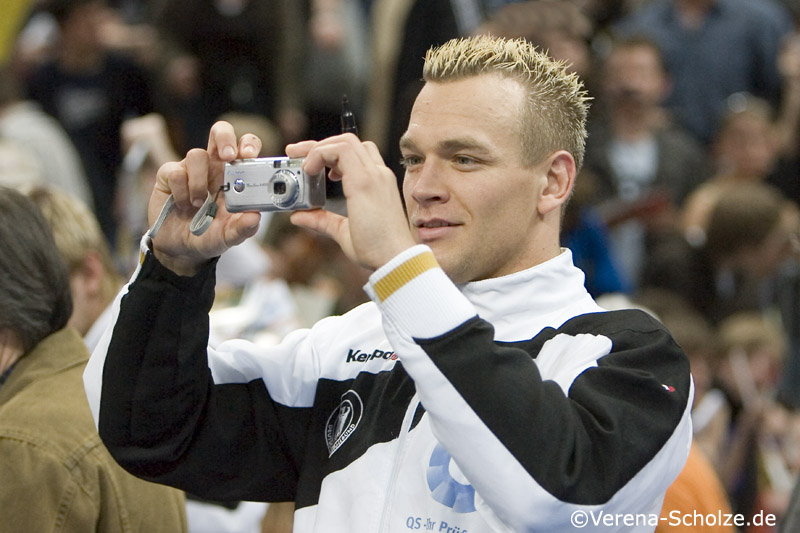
{"type": "Point", "coordinates": [55, 353]}
{"type": "Point", "coordinates": [520, 304]}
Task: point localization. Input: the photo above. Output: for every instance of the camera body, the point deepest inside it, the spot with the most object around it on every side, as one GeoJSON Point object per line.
{"type": "Point", "coordinates": [271, 184]}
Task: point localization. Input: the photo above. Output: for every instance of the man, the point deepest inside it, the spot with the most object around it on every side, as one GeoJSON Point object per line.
{"type": "Point", "coordinates": [93, 277]}
{"type": "Point", "coordinates": [482, 389]}
{"type": "Point", "coordinates": [644, 164]}
{"type": "Point", "coordinates": [91, 90]}
{"type": "Point", "coordinates": [57, 475]}
{"type": "Point", "coordinates": [25, 122]}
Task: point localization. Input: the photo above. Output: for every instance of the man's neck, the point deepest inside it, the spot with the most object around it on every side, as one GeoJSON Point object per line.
{"type": "Point", "coordinates": [692, 13]}
{"type": "Point", "coordinates": [630, 126]}
{"type": "Point", "coordinates": [80, 61]}
{"type": "Point", "coordinates": [10, 349]}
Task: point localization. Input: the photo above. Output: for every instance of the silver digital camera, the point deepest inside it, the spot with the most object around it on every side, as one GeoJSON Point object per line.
{"type": "Point", "coordinates": [271, 184]}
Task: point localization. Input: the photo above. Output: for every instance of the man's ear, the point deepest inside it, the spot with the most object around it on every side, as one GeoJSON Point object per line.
{"type": "Point", "coordinates": [92, 273]}
{"type": "Point", "coordinates": [560, 170]}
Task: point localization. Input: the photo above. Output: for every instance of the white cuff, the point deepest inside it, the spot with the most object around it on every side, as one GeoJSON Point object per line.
{"type": "Point", "coordinates": [416, 296]}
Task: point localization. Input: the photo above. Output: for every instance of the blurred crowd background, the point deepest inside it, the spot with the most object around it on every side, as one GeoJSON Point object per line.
{"type": "Point", "coordinates": [687, 205]}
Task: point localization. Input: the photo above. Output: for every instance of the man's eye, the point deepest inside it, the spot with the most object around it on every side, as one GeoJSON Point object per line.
{"type": "Point", "coordinates": [410, 160]}
{"type": "Point", "coordinates": [464, 160]}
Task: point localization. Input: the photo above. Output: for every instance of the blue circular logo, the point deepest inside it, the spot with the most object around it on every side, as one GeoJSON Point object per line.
{"type": "Point", "coordinates": [444, 488]}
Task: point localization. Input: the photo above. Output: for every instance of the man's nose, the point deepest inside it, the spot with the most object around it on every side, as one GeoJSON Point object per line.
{"type": "Point", "coordinates": [428, 185]}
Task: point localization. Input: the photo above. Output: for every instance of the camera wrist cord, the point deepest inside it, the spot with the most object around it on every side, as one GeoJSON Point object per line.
{"type": "Point", "coordinates": [200, 222]}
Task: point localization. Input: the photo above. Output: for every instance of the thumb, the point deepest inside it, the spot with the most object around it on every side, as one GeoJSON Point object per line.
{"type": "Point", "coordinates": [332, 224]}
{"type": "Point", "coordinates": [240, 227]}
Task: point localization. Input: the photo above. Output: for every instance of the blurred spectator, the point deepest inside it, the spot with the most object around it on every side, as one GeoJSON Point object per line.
{"type": "Point", "coordinates": [24, 122]}
{"type": "Point", "coordinates": [635, 146]}
{"type": "Point", "coordinates": [645, 164]}
{"type": "Point", "coordinates": [712, 49]}
{"type": "Point", "coordinates": [753, 350]}
{"type": "Point", "coordinates": [748, 239]}
{"type": "Point", "coordinates": [322, 281]}
{"type": "Point", "coordinates": [231, 55]}
{"type": "Point", "coordinates": [585, 233]}
{"type": "Point", "coordinates": [91, 91]}
{"type": "Point", "coordinates": [788, 121]}
{"type": "Point", "coordinates": [696, 491]}
{"type": "Point", "coordinates": [791, 519]}
{"type": "Point", "coordinates": [93, 278]}
{"type": "Point", "coordinates": [779, 461]}
{"type": "Point", "coordinates": [147, 145]}
{"type": "Point", "coordinates": [402, 32]}
{"type": "Point", "coordinates": [560, 28]}
{"type": "Point", "coordinates": [18, 165]}
{"type": "Point", "coordinates": [57, 475]}
{"type": "Point", "coordinates": [338, 58]}
{"type": "Point", "coordinates": [744, 150]}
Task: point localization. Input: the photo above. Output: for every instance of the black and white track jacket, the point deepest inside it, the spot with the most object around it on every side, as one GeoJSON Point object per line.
{"type": "Point", "coordinates": [509, 404]}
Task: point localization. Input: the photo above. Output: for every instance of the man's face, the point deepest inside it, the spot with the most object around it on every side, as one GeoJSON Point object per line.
{"type": "Point", "coordinates": [468, 194]}
{"type": "Point", "coordinates": [634, 76]}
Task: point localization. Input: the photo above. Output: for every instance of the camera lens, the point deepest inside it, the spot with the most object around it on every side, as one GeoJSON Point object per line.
{"type": "Point", "coordinates": [284, 188]}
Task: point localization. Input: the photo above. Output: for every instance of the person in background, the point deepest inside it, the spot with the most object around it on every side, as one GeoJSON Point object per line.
{"type": "Point", "coordinates": [93, 277]}
{"type": "Point", "coordinates": [244, 56]}
{"type": "Point", "coordinates": [713, 49]}
{"type": "Point", "coordinates": [24, 122]}
{"type": "Point", "coordinates": [57, 475]}
{"type": "Point", "coordinates": [91, 91]}
{"type": "Point", "coordinates": [787, 122]}
{"type": "Point", "coordinates": [745, 149]}
{"type": "Point", "coordinates": [749, 238]}
{"type": "Point", "coordinates": [756, 472]}
{"type": "Point", "coordinates": [586, 234]}
{"type": "Point", "coordinates": [402, 31]}
{"type": "Point", "coordinates": [644, 163]}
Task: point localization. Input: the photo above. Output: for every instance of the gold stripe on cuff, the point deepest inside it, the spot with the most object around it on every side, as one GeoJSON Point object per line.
{"type": "Point", "coordinates": [404, 273]}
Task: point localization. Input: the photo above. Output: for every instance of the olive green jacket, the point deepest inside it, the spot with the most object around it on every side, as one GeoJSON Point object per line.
{"type": "Point", "coordinates": [55, 474]}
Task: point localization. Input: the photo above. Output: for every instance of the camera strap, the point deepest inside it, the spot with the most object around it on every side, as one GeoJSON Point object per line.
{"type": "Point", "coordinates": [200, 222]}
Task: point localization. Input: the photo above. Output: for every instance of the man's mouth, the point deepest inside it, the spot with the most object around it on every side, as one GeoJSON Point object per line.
{"type": "Point", "coordinates": [434, 224]}
{"type": "Point", "coordinates": [429, 230]}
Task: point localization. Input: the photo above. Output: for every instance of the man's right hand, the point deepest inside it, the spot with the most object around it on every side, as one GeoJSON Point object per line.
{"type": "Point", "coordinates": [189, 181]}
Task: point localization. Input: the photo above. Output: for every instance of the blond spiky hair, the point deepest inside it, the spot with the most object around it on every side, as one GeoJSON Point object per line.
{"type": "Point", "coordinates": [557, 104]}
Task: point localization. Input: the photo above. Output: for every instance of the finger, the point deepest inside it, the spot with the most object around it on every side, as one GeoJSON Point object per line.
{"type": "Point", "coordinates": [373, 152]}
{"type": "Point", "coordinates": [300, 149]}
{"type": "Point", "coordinates": [197, 167]}
{"type": "Point", "coordinates": [178, 185]}
{"type": "Point", "coordinates": [249, 146]}
{"type": "Point", "coordinates": [167, 173]}
{"type": "Point", "coordinates": [222, 141]}
{"type": "Point", "coordinates": [332, 155]}
{"type": "Point", "coordinates": [331, 145]}
{"type": "Point", "coordinates": [315, 219]}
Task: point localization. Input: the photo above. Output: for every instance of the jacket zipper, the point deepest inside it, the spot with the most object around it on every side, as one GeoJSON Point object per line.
{"type": "Point", "coordinates": [404, 429]}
